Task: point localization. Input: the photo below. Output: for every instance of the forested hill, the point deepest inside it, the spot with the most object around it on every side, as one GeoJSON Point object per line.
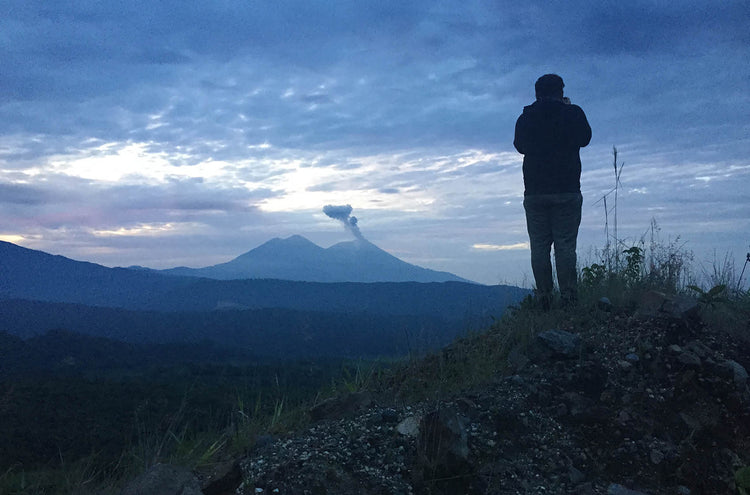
{"type": "Point", "coordinates": [38, 276]}
{"type": "Point", "coordinates": [271, 333]}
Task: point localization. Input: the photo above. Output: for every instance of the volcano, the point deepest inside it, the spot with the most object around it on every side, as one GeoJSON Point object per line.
{"type": "Point", "coordinates": [297, 258]}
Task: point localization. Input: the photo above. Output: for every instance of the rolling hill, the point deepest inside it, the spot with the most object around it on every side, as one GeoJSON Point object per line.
{"type": "Point", "coordinates": [40, 292]}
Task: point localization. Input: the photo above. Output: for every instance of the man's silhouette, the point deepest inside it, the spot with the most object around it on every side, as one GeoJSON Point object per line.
{"type": "Point", "coordinates": [550, 133]}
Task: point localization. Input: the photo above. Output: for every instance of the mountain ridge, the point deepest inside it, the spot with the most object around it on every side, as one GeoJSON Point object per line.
{"type": "Point", "coordinates": [27, 274]}
{"type": "Point", "coordinates": [297, 258]}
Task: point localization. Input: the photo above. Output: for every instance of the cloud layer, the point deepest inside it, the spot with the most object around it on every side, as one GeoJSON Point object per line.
{"type": "Point", "coordinates": [165, 133]}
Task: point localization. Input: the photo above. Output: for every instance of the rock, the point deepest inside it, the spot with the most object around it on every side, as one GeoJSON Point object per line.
{"type": "Point", "coordinates": [589, 378]}
{"type": "Point", "coordinates": [654, 303]}
{"type": "Point", "coordinates": [556, 344]}
{"type": "Point", "coordinates": [691, 422]}
{"type": "Point", "coordinates": [389, 415]}
{"type": "Point", "coordinates": [516, 379]}
{"type": "Point", "coordinates": [338, 407]}
{"type": "Point", "coordinates": [604, 304]}
{"type": "Point", "coordinates": [651, 304]}
{"type": "Point", "coordinates": [517, 360]}
{"type": "Point", "coordinates": [575, 475]}
{"type": "Point", "coordinates": [443, 444]}
{"type": "Point", "coordinates": [689, 359]}
{"type": "Point", "coordinates": [262, 441]}
{"type": "Point", "coordinates": [735, 371]}
{"type": "Point", "coordinates": [409, 427]}
{"type": "Point", "coordinates": [623, 417]}
{"type": "Point", "coordinates": [164, 479]}
{"type": "Point", "coordinates": [656, 456]}
{"type": "Point", "coordinates": [698, 348]}
{"type": "Point", "coordinates": [681, 306]}
{"type": "Point", "coordinates": [222, 479]}
{"type": "Point", "coordinates": [616, 489]}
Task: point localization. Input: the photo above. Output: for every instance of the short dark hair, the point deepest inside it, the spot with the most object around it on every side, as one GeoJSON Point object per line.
{"type": "Point", "coordinates": [549, 85]}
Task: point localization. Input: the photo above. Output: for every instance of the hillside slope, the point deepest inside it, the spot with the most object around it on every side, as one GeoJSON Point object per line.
{"type": "Point", "coordinates": [617, 404]}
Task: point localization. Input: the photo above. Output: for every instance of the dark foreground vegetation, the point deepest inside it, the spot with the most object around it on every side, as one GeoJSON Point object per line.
{"type": "Point", "coordinates": [76, 411]}
{"type": "Point", "coordinates": [651, 399]}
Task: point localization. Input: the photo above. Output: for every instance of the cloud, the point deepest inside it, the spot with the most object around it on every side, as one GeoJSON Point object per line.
{"type": "Point", "coordinates": [23, 195]}
{"type": "Point", "coordinates": [502, 247]}
{"type": "Point", "coordinates": [218, 119]}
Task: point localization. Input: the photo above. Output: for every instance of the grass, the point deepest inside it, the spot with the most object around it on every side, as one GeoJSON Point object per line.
{"type": "Point", "coordinates": [193, 416]}
{"type": "Point", "coordinates": [278, 408]}
{"type": "Point", "coordinates": [197, 427]}
{"type": "Point", "coordinates": [484, 356]}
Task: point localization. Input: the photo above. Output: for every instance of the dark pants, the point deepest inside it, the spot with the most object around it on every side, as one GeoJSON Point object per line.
{"type": "Point", "coordinates": [554, 219]}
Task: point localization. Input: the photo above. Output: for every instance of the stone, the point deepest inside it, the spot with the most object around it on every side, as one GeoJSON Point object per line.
{"type": "Point", "coordinates": [262, 441]}
{"type": "Point", "coordinates": [674, 349]}
{"type": "Point", "coordinates": [617, 489]}
{"type": "Point", "coordinates": [691, 421]}
{"type": "Point", "coordinates": [409, 427]}
{"type": "Point", "coordinates": [338, 407]}
{"type": "Point", "coordinates": [604, 304]}
{"type": "Point", "coordinates": [698, 348]}
{"type": "Point", "coordinates": [516, 379]}
{"type": "Point", "coordinates": [681, 306]}
{"type": "Point", "coordinates": [576, 476]}
{"type": "Point", "coordinates": [516, 359]}
{"type": "Point", "coordinates": [655, 303]}
{"type": "Point", "coordinates": [689, 359]}
{"type": "Point", "coordinates": [735, 371]}
{"type": "Point", "coordinates": [389, 415]}
{"type": "Point", "coordinates": [651, 304]}
{"type": "Point", "coordinates": [623, 417]}
{"type": "Point", "coordinates": [632, 357]}
{"type": "Point", "coordinates": [164, 479]}
{"type": "Point", "coordinates": [590, 379]}
{"type": "Point", "coordinates": [556, 343]}
{"type": "Point", "coordinates": [656, 456]}
{"type": "Point", "coordinates": [443, 442]}
{"type": "Point", "coordinates": [223, 478]}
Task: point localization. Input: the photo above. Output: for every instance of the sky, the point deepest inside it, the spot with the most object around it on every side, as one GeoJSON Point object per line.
{"type": "Point", "coordinates": [183, 133]}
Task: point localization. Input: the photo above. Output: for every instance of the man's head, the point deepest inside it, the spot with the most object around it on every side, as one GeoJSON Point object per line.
{"type": "Point", "coordinates": [549, 86]}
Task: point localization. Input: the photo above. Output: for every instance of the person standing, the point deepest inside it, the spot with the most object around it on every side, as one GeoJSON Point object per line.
{"type": "Point", "coordinates": [549, 134]}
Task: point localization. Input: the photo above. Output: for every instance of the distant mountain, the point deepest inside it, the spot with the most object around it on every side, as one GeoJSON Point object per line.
{"type": "Point", "coordinates": [40, 292]}
{"type": "Point", "coordinates": [297, 258]}
{"type": "Point", "coordinates": [37, 276]}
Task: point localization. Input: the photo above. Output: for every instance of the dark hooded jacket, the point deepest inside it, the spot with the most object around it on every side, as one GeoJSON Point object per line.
{"type": "Point", "coordinates": [549, 135]}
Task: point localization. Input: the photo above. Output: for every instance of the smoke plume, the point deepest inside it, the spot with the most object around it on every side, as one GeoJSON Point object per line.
{"type": "Point", "coordinates": [343, 214]}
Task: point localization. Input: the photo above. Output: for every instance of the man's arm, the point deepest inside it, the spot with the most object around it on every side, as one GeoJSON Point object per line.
{"type": "Point", "coordinates": [582, 127]}
{"type": "Point", "coordinates": [519, 140]}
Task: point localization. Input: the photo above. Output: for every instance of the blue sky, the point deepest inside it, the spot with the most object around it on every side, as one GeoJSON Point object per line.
{"type": "Point", "coordinates": [186, 133]}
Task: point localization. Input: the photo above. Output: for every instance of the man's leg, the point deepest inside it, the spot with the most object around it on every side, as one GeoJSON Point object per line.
{"type": "Point", "coordinates": [538, 224]}
{"type": "Point", "coordinates": [566, 219]}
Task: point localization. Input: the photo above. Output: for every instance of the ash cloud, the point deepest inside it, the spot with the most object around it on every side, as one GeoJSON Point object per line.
{"type": "Point", "coordinates": [343, 213]}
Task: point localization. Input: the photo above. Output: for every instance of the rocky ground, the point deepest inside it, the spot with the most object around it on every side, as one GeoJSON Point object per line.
{"type": "Point", "coordinates": [649, 403]}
